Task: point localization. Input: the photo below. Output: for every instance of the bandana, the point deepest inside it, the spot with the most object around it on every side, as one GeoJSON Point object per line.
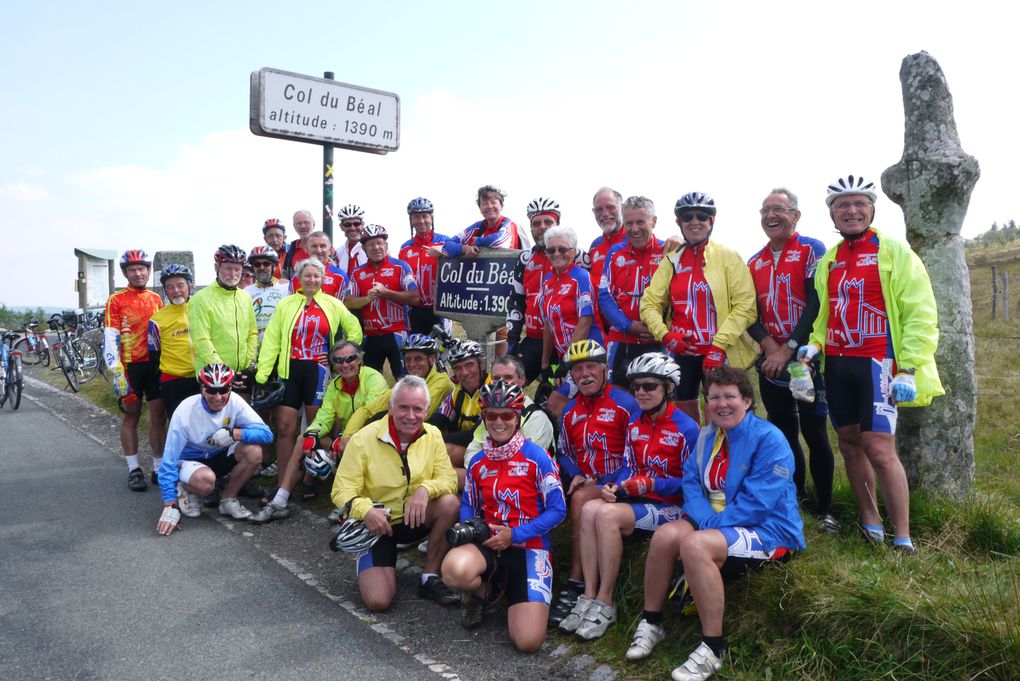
{"type": "Point", "coordinates": [506, 450]}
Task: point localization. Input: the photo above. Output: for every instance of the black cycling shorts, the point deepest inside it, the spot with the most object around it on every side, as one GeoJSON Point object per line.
{"type": "Point", "coordinates": [143, 378]}
{"type": "Point", "coordinates": [524, 574]}
{"type": "Point", "coordinates": [305, 385]}
{"type": "Point", "coordinates": [384, 552]}
{"type": "Point", "coordinates": [858, 393]}
{"type": "Point", "coordinates": [691, 376]}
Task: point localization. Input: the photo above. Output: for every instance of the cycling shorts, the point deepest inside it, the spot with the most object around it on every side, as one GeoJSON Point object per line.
{"type": "Point", "coordinates": [859, 395]}
{"type": "Point", "coordinates": [384, 552]}
{"type": "Point", "coordinates": [620, 356]}
{"type": "Point", "coordinates": [143, 378]}
{"type": "Point", "coordinates": [690, 376]}
{"type": "Point", "coordinates": [524, 574]}
{"type": "Point", "coordinates": [746, 554]}
{"type": "Point", "coordinates": [175, 391]}
{"type": "Point", "coordinates": [651, 515]}
{"type": "Point", "coordinates": [221, 464]}
{"type": "Point", "coordinates": [305, 385]}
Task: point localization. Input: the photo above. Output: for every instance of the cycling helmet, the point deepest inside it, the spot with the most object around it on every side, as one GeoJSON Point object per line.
{"type": "Point", "coordinates": [350, 211]}
{"type": "Point", "coordinates": [585, 351]}
{"type": "Point", "coordinates": [694, 201]}
{"type": "Point", "coordinates": [230, 254]}
{"type": "Point", "coordinates": [353, 536]}
{"type": "Point", "coordinates": [656, 365]}
{"type": "Point", "coordinates": [263, 253]}
{"type": "Point", "coordinates": [267, 395]}
{"type": "Point", "coordinates": [465, 349]}
{"type": "Point", "coordinates": [175, 271]}
{"type": "Point", "coordinates": [420, 342]}
{"type": "Point", "coordinates": [319, 464]}
{"type": "Point", "coordinates": [848, 185]}
{"type": "Point", "coordinates": [216, 375]}
{"type": "Point", "coordinates": [270, 224]}
{"type": "Point", "coordinates": [419, 205]}
{"type": "Point", "coordinates": [501, 395]}
{"type": "Point", "coordinates": [135, 256]}
{"type": "Point", "coordinates": [373, 232]}
{"type": "Point", "coordinates": [544, 205]}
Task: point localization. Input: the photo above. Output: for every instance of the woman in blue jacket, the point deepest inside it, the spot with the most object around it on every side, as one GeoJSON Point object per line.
{"type": "Point", "coordinates": [740, 504]}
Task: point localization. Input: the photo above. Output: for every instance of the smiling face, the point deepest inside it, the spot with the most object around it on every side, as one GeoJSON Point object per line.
{"type": "Point", "coordinates": [500, 424]}
{"type": "Point", "coordinates": [215, 402]}
{"type": "Point", "coordinates": [695, 225]}
{"type": "Point", "coordinates": [137, 275]}
{"type": "Point", "coordinates": [468, 373]}
{"type": "Point", "coordinates": [310, 280]}
{"type": "Point", "coordinates": [352, 228]}
{"type": "Point", "coordinates": [418, 363]}
{"type": "Point", "coordinates": [319, 247]}
{"type": "Point", "coordinates": [275, 238]}
{"type": "Point", "coordinates": [852, 214]}
{"type": "Point", "coordinates": [303, 224]}
{"type": "Point", "coordinates": [778, 218]}
{"type": "Point", "coordinates": [346, 362]}
{"type": "Point", "coordinates": [407, 409]}
{"type": "Point", "coordinates": [725, 406]}
{"type": "Point", "coordinates": [638, 225]}
{"type": "Point", "coordinates": [561, 255]}
{"type": "Point", "coordinates": [589, 377]}
{"type": "Point", "coordinates": [606, 209]}
{"type": "Point", "coordinates": [648, 391]}
{"type": "Point", "coordinates": [421, 223]}
{"type": "Point", "coordinates": [490, 206]}
{"type": "Point", "coordinates": [177, 290]}
{"type": "Point", "coordinates": [376, 249]}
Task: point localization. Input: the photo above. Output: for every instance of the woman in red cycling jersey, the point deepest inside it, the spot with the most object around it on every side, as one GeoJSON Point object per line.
{"type": "Point", "coordinates": [565, 301]}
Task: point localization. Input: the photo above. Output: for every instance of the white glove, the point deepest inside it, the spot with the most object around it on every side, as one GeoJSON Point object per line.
{"type": "Point", "coordinates": [221, 438]}
{"type": "Point", "coordinates": [170, 515]}
{"type": "Point", "coordinates": [903, 388]}
{"type": "Point", "coordinates": [806, 353]}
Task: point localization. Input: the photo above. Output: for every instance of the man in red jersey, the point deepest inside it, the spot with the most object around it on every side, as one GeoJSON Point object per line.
{"type": "Point", "coordinates": [417, 253]}
{"type": "Point", "coordinates": [126, 352]}
{"type": "Point", "coordinates": [335, 281]}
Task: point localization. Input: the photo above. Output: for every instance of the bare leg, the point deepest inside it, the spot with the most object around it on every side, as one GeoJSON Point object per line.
{"type": "Point", "coordinates": [613, 522]}
{"type": "Point", "coordinates": [703, 553]}
{"type": "Point", "coordinates": [661, 561]}
{"type": "Point", "coordinates": [881, 452]}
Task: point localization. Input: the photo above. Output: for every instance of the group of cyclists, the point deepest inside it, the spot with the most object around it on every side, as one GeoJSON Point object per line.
{"type": "Point", "coordinates": [625, 340]}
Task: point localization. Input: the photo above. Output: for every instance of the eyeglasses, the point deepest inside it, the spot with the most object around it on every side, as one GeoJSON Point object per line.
{"type": "Point", "coordinates": [845, 205]}
{"type": "Point", "coordinates": [344, 359]}
{"type": "Point", "coordinates": [775, 209]}
{"type": "Point", "coordinates": [216, 391]}
{"type": "Point", "coordinates": [559, 249]}
{"type": "Point", "coordinates": [644, 386]}
{"type": "Point", "coordinates": [499, 416]}
{"type": "Point", "coordinates": [356, 223]}
{"type": "Point", "coordinates": [689, 217]}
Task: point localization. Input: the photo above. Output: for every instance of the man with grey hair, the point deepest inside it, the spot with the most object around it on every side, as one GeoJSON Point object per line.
{"type": "Point", "coordinates": [605, 205]}
{"type": "Point", "coordinates": [784, 280]}
{"type": "Point", "coordinates": [396, 477]}
{"type": "Point", "coordinates": [297, 250]}
{"type": "Point", "coordinates": [629, 267]}
{"type": "Point", "coordinates": [335, 281]}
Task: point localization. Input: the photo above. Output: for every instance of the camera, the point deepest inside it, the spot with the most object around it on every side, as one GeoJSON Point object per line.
{"type": "Point", "coordinates": [471, 531]}
{"type": "Point", "coordinates": [445, 339]}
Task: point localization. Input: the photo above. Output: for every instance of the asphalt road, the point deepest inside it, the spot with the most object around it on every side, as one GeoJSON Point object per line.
{"type": "Point", "coordinates": [88, 590]}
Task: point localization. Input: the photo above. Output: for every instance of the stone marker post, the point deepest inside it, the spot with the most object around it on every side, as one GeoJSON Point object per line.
{"type": "Point", "coordinates": [932, 183]}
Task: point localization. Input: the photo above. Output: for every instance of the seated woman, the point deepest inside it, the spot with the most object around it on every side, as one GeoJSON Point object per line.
{"type": "Point", "coordinates": [658, 441]}
{"type": "Point", "coordinates": [740, 503]}
{"type": "Point", "coordinates": [515, 487]}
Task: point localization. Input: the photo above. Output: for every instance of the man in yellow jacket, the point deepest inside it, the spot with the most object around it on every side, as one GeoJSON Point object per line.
{"type": "Point", "coordinates": [877, 326]}
{"type": "Point", "coordinates": [400, 463]}
{"type": "Point", "coordinates": [700, 302]}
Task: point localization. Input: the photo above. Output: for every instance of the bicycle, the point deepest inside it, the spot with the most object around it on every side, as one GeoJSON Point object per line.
{"type": "Point", "coordinates": [78, 358]}
{"type": "Point", "coordinates": [34, 347]}
{"type": "Point", "coordinates": [12, 380]}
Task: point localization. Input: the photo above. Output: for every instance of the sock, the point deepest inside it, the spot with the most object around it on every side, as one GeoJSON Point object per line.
{"type": "Point", "coordinates": [576, 584]}
{"type": "Point", "coordinates": [157, 461]}
{"type": "Point", "coordinates": [903, 541]}
{"type": "Point", "coordinates": [132, 461]}
{"type": "Point", "coordinates": [653, 617]}
{"type": "Point", "coordinates": [281, 498]}
{"type": "Point", "coordinates": [716, 643]}
{"type": "Point", "coordinates": [877, 530]}
{"type": "Point", "coordinates": [426, 575]}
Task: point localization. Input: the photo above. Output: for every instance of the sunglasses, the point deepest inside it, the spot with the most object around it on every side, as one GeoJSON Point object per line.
{"type": "Point", "coordinates": [358, 223]}
{"type": "Point", "coordinates": [496, 416]}
{"type": "Point", "coordinates": [216, 391]}
{"type": "Point", "coordinates": [262, 263]}
{"type": "Point", "coordinates": [644, 386]}
{"type": "Point", "coordinates": [559, 249]}
{"type": "Point", "coordinates": [344, 359]}
{"type": "Point", "coordinates": [689, 217]}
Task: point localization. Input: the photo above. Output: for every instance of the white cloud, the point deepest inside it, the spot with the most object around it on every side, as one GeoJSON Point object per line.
{"type": "Point", "coordinates": [23, 192]}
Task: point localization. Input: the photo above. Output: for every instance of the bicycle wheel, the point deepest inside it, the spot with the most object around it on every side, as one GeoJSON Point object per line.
{"type": "Point", "coordinates": [88, 358]}
{"type": "Point", "coordinates": [15, 383]}
{"type": "Point", "coordinates": [67, 365]}
{"type": "Point", "coordinates": [29, 356]}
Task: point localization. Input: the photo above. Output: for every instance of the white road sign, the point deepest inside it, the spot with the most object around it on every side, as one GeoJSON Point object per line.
{"type": "Point", "coordinates": [320, 111]}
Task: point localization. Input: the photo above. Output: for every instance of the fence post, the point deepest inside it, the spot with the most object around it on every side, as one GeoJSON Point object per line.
{"type": "Point", "coordinates": [1005, 295]}
{"type": "Point", "coordinates": [995, 291]}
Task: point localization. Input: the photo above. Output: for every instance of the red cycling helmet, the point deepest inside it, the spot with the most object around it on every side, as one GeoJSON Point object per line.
{"type": "Point", "coordinates": [216, 375]}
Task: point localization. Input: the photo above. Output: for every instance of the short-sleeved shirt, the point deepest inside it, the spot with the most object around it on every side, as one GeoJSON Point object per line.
{"type": "Point", "coordinates": [593, 432]}
{"type": "Point", "coordinates": [424, 267]}
{"type": "Point", "coordinates": [383, 315]}
{"type": "Point", "coordinates": [625, 275]}
{"type": "Point", "coordinates": [264, 300]}
{"type": "Point", "coordinates": [127, 314]}
{"type": "Point", "coordinates": [564, 299]}
{"type": "Point", "coordinates": [781, 283]}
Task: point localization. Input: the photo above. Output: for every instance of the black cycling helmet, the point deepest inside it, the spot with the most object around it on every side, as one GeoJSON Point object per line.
{"type": "Point", "coordinates": [267, 395]}
{"type": "Point", "coordinates": [174, 270]}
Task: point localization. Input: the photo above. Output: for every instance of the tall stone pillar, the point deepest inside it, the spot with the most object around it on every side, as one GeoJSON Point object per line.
{"type": "Point", "coordinates": [932, 183]}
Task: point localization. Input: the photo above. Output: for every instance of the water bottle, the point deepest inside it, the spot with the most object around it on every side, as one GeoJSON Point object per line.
{"type": "Point", "coordinates": [801, 385]}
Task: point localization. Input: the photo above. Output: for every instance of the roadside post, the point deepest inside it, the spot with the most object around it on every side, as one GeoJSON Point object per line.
{"type": "Point", "coordinates": [476, 292]}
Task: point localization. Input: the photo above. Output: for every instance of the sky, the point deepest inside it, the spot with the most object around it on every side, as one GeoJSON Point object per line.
{"type": "Point", "coordinates": [125, 125]}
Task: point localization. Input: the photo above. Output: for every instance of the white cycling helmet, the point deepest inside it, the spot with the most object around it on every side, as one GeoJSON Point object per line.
{"type": "Point", "coordinates": [319, 464]}
{"type": "Point", "coordinates": [544, 205]}
{"type": "Point", "coordinates": [850, 185]}
{"type": "Point", "coordinates": [350, 211]}
{"type": "Point", "coordinates": [353, 536]}
{"type": "Point", "coordinates": [655, 365]}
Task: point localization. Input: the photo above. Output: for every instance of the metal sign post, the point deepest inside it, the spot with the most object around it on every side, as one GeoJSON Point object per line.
{"type": "Point", "coordinates": [327, 181]}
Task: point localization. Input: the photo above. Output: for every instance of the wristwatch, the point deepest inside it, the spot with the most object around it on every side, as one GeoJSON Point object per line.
{"type": "Point", "coordinates": [792, 344]}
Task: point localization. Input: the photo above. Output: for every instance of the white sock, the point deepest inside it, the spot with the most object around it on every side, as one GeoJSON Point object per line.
{"type": "Point", "coordinates": [132, 461]}
{"type": "Point", "coordinates": [425, 576]}
{"type": "Point", "coordinates": [157, 461]}
{"type": "Point", "coordinates": [281, 498]}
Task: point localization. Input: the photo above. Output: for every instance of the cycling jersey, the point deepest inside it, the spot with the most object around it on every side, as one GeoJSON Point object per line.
{"type": "Point", "coordinates": [785, 288]}
{"type": "Point", "coordinates": [193, 423]}
{"type": "Point", "coordinates": [523, 314]}
{"type": "Point", "coordinates": [626, 273]}
{"type": "Point", "coordinates": [170, 337]}
{"type": "Point", "coordinates": [382, 315]}
{"type": "Point", "coordinates": [264, 300]}
{"type": "Point", "coordinates": [858, 322]}
{"type": "Point", "coordinates": [223, 327]}
{"type": "Point", "coordinates": [350, 257]}
{"type": "Point", "coordinates": [563, 300]}
{"type": "Point", "coordinates": [425, 268]}
{"type": "Point", "coordinates": [295, 253]}
{"type": "Point", "coordinates": [598, 251]}
{"type": "Point", "coordinates": [126, 336]}
{"type": "Point", "coordinates": [460, 410]}
{"type": "Point", "coordinates": [523, 492]}
{"type": "Point", "coordinates": [535, 424]}
{"type": "Point", "coordinates": [335, 282]}
{"type": "Point", "coordinates": [657, 448]}
{"type": "Point", "coordinates": [309, 339]}
{"type": "Point", "coordinates": [593, 433]}
{"type": "Point", "coordinates": [506, 234]}
{"type": "Point", "coordinates": [338, 405]}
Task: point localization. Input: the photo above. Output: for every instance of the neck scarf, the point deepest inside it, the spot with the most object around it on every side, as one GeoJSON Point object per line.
{"type": "Point", "coordinates": [506, 450]}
